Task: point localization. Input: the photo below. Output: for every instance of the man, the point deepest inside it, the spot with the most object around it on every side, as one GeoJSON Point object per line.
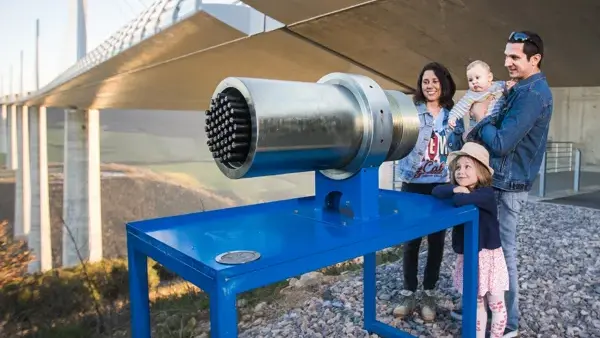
{"type": "Point", "coordinates": [515, 136]}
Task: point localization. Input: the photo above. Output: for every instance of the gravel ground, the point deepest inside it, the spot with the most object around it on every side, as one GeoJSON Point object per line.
{"type": "Point", "coordinates": [559, 257]}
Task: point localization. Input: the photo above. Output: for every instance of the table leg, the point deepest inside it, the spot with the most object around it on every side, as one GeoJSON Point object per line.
{"type": "Point", "coordinates": [223, 314]}
{"type": "Point", "coordinates": [369, 291]}
{"type": "Point", "coordinates": [138, 293]}
{"type": "Point", "coordinates": [470, 279]}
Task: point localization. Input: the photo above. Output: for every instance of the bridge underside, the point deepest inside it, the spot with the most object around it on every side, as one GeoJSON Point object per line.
{"type": "Point", "coordinates": [389, 40]}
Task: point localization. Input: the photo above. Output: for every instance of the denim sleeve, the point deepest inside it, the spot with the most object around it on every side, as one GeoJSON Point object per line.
{"type": "Point", "coordinates": [519, 119]}
{"type": "Point", "coordinates": [455, 140]}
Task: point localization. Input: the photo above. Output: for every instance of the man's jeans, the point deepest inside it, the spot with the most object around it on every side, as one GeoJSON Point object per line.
{"type": "Point", "coordinates": [509, 209]}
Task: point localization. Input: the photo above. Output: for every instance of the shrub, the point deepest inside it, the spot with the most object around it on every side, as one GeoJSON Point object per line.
{"type": "Point", "coordinates": [14, 256]}
{"type": "Point", "coordinates": [63, 292]}
{"type": "Point", "coordinates": [164, 273]}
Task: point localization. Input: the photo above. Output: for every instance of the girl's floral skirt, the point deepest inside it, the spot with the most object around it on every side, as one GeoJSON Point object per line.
{"type": "Point", "coordinates": [493, 273]}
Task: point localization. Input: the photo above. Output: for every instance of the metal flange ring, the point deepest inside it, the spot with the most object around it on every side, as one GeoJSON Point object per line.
{"type": "Point", "coordinates": [376, 112]}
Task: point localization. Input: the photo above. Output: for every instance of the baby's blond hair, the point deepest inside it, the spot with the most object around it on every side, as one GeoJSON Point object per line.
{"type": "Point", "coordinates": [480, 63]}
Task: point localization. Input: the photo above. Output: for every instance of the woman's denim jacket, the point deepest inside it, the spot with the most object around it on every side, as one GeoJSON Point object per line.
{"type": "Point", "coordinates": [407, 167]}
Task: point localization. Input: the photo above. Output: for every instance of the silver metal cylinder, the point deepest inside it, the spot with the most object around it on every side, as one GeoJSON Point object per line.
{"type": "Point", "coordinates": [342, 123]}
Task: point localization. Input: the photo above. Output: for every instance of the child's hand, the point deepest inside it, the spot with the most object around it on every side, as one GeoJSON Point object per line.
{"type": "Point", "coordinates": [461, 190]}
{"type": "Point", "coordinates": [452, 122]}
{"type": "Point", "coordinates": [510, 83]}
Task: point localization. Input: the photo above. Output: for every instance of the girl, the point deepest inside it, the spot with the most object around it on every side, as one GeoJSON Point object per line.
{"type": "Point", "coordinates": [421, 170]}
{"type": "Point", "coordinates": [471, 178]}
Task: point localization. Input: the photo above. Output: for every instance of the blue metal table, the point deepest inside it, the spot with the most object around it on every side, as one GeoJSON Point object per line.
{"type": "Point", "coordinates": [344, 220]}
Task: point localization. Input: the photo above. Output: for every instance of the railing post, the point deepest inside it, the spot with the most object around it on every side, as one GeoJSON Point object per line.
{"type": "Point", "coordinates": [570, 156]}
{"type": "Point", "coordinates": [542, 186]}
{"type": "Point", "coordinates": [555, 159]}
{"type": "Point", "coordinates": [576, 178]}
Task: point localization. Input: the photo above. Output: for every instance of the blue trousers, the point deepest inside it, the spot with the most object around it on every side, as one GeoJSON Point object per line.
{"type": "Point", "coordinates": [510, 205]}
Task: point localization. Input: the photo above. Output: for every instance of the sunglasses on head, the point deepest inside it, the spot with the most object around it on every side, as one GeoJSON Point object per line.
{"type": "Point", "coordinates": [521, 37]}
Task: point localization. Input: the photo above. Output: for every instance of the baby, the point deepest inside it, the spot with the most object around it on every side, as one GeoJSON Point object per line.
{"type": "Point", "coordinates": [481, 88]}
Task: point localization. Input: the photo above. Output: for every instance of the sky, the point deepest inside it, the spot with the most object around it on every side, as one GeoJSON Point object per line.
{"type": "Point", "coordinates": [57, 35]}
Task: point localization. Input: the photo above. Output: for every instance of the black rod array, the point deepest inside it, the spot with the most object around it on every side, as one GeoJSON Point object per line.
{"type": "Point", "coordinates": [228, 127]}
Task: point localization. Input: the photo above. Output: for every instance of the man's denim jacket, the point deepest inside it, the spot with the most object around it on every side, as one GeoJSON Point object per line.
{"type": "Point", "coordinates": [515, 134]}
{"type": "Point", "coordinates": [407, 167]}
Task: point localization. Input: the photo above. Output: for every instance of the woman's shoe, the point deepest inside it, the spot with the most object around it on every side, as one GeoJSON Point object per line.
{"type": "Point", "coordinates": [429, 307]}
{"type": "Point", "coordinates": [407, 304]}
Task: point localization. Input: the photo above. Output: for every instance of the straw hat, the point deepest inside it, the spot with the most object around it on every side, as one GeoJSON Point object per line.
{"type": "Point", "coordinates": [474, 150]}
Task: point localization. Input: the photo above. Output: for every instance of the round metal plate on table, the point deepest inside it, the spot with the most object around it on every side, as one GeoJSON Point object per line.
{"type": "Point", "coordinates": [237, 257]}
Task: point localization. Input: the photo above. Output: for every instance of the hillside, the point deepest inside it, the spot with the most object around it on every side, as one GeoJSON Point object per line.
{"type": "Point", "coordinates": [127, 194]}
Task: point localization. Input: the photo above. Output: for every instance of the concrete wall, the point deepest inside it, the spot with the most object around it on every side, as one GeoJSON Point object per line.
{"type": "Point", "coordinates": [577, 119]}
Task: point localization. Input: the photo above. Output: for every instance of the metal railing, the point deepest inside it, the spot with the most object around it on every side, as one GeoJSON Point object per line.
{"type": "Point", "coordinates": [560, 157]}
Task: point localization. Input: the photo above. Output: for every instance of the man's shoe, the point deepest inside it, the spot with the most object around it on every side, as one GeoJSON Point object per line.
{"type": "Point", "coordinates": [510, 333]}
{"type": "Point", "coordinates": [429, 307]}
{"type": "Point", "coordinates": [407, 304]}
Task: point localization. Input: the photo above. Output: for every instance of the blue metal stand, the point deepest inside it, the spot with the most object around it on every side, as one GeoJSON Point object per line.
{"type": "Point", "coordinates": [344, 220]}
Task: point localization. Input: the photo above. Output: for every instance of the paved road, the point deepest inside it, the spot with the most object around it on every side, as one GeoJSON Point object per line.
{"type": "Point", "coordinates": [589, 200]}
{"type": "Point", "coordinates": [563, 182]}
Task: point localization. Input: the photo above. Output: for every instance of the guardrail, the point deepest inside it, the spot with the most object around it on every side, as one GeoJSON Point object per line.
{"type": "Point", "coordinates": [558, 157]}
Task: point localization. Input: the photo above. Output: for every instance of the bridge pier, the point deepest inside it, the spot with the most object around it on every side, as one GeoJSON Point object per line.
{"type": "Point", "coordinates": [12, 155]}
{"type": "Point", "coordinates": [4, 134]}
{"type": "Point", "coordinates": [82, 232]}
{"type": "Point", "coordinates": [39, 235]}
{"type": "Point", "coordinates": [22, 223]}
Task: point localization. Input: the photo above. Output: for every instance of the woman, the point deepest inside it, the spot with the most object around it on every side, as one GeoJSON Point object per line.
{"type": "Point", "coordinates": [423, 169]}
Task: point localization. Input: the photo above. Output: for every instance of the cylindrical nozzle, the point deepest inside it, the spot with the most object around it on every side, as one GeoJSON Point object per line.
{"type": "Point", "coordinates": [342, 123]}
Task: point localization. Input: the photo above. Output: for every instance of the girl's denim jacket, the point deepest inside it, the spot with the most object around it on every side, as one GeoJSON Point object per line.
{"type": "Point", "coordinates": [407, 167]}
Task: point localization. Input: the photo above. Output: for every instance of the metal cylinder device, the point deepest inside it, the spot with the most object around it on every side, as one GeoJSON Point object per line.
{"type": "Point", "coordinates": [338, 125]}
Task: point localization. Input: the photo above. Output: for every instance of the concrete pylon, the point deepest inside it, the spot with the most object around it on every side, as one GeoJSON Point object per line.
{"type": "Point", "coordinates": [82, 228]}
{"type": "Point", "coordinates": [39, 235]}
{"type": "Point", "coordinates": [13, 154]}
{"type": "Point", "coordinates": [4, 133]}
{"type": "Point", "coordinates": [22, 223]}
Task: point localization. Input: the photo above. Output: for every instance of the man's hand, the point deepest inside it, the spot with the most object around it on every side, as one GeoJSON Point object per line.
{"type": "Point", "coordinates": [461, 190]}
{"type": "Point", "coordinates": [479, 109]}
